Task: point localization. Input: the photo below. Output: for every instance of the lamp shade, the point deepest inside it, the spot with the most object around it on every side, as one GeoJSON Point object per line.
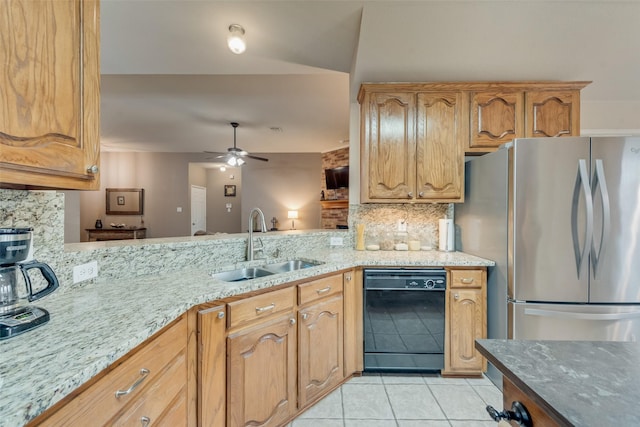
{"type": "Point", "coordinates": [292, 214]}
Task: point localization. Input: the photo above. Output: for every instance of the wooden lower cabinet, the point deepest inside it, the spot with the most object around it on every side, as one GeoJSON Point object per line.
{"type": "Point", "coordinates": [512, 393]}
{"type": "Point", "coordinates": [465, 321]}
{"type": "Point", "coordinates": [151, 384]}
{"type": "Point", "coordinates": [353, 322]}
{"type": "Point", "coordinates": [212, 366]}
{"type": "Point", "coordinates": [261, 373]}
{"type": "Point", "coordinates": [320, 348]}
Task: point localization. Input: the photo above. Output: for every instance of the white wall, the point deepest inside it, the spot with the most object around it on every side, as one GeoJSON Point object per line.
{"type": "Point", "coordinates": [286, 182]}
{"type": "Point", "coordinates": [218, 218]}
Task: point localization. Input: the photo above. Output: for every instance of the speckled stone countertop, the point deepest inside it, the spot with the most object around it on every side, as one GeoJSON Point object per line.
{"type": "Point", "coordinates": [94, 325]}
{"type": "Point", "coordinates": [578, 383]}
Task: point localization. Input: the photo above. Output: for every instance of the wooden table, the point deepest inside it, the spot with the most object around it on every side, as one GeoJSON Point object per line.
{"type": "Point", "coordinates": [99, 234]}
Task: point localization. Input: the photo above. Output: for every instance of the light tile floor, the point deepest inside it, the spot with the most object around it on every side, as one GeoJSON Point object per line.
{"type": "Point", "coordinates": [405, 401]}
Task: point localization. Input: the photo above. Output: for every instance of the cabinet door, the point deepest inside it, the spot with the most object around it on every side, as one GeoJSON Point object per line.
{"type": "Point", "coordinates": [261, 380]}
{"type": "Point", "coordinates": [212, 366]}
{"type": "Point", "coordinates": [353, 323]}
{"type": "Point", "coordinates": [552, 113]}
{"type": "Point", "coordinates": [49, 102]}
{"type": "Point", "coordinates": [440, 142]}
{"type": "Point", "coordinates": [388, 149]}
{"type": "Point", "coordinates": [320, 348]}
{"type": "Point", "coordinates": [466, 316]}
{"type": "Point", "coordinates": [496, 118]}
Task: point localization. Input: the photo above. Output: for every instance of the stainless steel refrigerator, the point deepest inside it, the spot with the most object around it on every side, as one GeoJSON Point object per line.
{"type": "Point", "coordinates": [561, 219]}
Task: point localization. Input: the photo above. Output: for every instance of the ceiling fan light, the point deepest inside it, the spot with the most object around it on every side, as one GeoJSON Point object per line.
{"type": "Point", "coordinates": [235, 39]}
{"type": "Point", "coordinates": [240, 162]}
{"type": "Point", "coordinates": [232, 161]}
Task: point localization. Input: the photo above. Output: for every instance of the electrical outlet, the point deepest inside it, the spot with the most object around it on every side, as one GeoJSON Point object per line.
{"type": "Point", "coordinates": [85, 271]}
{"type": "Point", "coordinates": [336, 241]}
{"type": "Point", "coordinates": [402, 226]}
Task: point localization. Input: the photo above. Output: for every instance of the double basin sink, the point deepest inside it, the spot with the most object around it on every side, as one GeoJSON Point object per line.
{"type": "Point", "coordinates": [249, 273]}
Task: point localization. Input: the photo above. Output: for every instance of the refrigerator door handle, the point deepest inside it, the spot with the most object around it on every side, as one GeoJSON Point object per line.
{"type": "Point", "coordinates": [581, 316]}
{"type": "Point", "coordinates": [582, 183]}
{"type": "Point", "coordinates": [600, 182]}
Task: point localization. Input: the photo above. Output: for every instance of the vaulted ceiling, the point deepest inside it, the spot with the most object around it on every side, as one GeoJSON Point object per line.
{"type": "Point", "coordinates": [169, 83]}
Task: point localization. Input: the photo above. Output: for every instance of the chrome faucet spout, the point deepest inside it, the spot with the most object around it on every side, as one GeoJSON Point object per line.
{"type": "Point", "coordinates": [251, 249]}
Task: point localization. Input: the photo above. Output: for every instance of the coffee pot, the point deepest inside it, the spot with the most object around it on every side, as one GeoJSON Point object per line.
{"type": "Point", "coordinates": [16, 289]}
{"type": "Point", "coordinates": [15, 286]}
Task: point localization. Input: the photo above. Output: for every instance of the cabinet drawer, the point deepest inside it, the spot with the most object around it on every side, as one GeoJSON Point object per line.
{"type": "Point", "coordinates": [261, 306]}
{"type": "Point", "coordinates": [466, 278]}
{"type": "Point", "coordinates": [99, 403]}
{"type": "Point", "coordinates": [308, 292]}
{"type": "Point", "coordinates": [158, 397]}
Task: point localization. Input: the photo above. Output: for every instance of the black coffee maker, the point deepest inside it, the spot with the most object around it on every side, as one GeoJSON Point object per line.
{"type": "Point", "coordinates": [16, 290]}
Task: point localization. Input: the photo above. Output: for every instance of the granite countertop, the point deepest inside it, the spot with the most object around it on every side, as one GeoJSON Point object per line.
{"type": "Point", "coordinates": [94, 325]}
{"type": "Point", "coordinates": [578, 383]}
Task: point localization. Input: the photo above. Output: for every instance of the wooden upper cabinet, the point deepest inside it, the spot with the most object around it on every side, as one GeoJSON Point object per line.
{"type": "Point", "coordinates": [496, 118]}
{"type": "Point", "coordinates": [50, 97]}
{"type": "Point", "coordinates": [412, 144]}
{"type": "Point", "coordinates": [389, 127]}
{"type": "Point", "coordinates": [553, 113]}
{"type": "Point", "coordinates": [504, 111]}
{"type": "Point", "coordinates": [441, 132]}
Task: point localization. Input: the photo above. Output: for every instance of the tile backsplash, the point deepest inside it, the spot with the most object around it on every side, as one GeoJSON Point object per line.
{"type": "Point", "coordinates": [421, 219]}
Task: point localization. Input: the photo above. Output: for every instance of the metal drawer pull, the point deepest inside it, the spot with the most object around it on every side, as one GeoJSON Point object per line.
{"type": "Point", "coordinates": [145, 421]}
{"type": "Point", "coordinates": [143, 374]}
{"type": "Point", "coordinates": [305, 316]}
{"type": "Point", "coordinates": [292, 321]}
{"type": "Point", "coordinates": [466, 280]}
{"type": "Point", "coordinates": [221, 315]}
{"type": "Point", "coordinates": [265, 308]}
{"type": "Point", "coordinates": [456, 296]}
{"type": "Point", "coordinates": [323, 290]}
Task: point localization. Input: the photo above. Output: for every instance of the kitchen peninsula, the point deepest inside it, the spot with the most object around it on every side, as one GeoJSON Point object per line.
{"type": "Point", "coordinates": [93, 325]}
{"type": "Point", "coordinates": [570, 383]}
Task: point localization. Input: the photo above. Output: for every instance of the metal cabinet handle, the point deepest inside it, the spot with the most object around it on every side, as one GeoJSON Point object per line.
{"type": "Point", "coordinates": [323, 290]}
{"type": "Point", "coordinates": [143, 374]}
{"type": "Point", "coordinates": [410, 194]}
{"type": "Point", "coordinates": [421, 194]}
{"type": "Point", "coordinates": [456, 296]}
{"type": "Point", "coordinates": [93, 169]}
{"type": "Point", "coordinates": [305, 316]}
{"type": "Point", "coordinates": [292, 321]}
{"type": "Point", "coordinates": [466, 280]}
{"type": "Point", "coordinates": [145, 421]}
{"type": "Point", "coordinates": [265, 308]}
{"type": "Point", "coordinates": [221, 315]}
{"type": "Point", "coordinates": [347, 277]}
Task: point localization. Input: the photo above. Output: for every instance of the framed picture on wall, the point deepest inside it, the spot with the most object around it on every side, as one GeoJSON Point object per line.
{"type": "Point", "coordinates": [230, 191]}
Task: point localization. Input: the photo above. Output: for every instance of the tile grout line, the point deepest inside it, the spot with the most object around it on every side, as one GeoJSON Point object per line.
{"type": "Point", "coordinates": [384, 385]}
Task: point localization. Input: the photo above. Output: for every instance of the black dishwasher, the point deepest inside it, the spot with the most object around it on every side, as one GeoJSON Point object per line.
{"type": "Point", "coordinates": [404, 320]}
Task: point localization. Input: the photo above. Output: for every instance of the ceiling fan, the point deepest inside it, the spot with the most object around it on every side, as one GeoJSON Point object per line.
{"type": "Point", "coordinates": [235, 156]}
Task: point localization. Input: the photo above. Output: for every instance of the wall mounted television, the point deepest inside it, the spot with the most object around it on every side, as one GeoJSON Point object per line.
{"type": "Point", "coordinates": [337, 177]}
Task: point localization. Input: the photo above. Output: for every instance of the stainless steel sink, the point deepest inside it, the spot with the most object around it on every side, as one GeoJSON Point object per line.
{"type": "Point", "coordinates": [241, 274]}
{"type": "Point", "coordinates": [295, 264]}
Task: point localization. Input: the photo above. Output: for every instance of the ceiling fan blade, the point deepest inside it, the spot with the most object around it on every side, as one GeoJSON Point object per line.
{"type": "Point", "coordinates": [256, 158]}
{"type": "Point", "coordinates": [216, 152]}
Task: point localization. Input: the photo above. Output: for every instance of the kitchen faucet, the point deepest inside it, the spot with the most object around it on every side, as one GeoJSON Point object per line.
{"type": "Point", "coordinates": [251, 250]}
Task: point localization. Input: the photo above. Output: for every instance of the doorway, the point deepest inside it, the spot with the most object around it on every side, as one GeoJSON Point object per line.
{"type": "Point", "coordinates": [198, 209]}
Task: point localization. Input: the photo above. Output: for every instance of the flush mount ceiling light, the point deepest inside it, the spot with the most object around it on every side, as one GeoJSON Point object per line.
{"type": "Point", "coordinates": [235, 39]}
